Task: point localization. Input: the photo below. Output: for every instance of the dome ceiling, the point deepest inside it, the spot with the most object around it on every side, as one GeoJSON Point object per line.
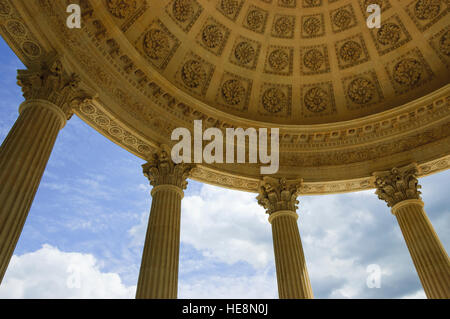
{"type": "Point", "coordinates": [348, 100]}
{"type": "Point", "coordinates": [291, 61]}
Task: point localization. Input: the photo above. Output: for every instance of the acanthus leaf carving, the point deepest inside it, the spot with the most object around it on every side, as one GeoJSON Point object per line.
{"type": "Point", "coordinates": [49, 81]}
{"type": "Point", "coordinates": [278, 194]}
{"type": "Point", "coordinates": [161, 170]}
{"type": "Point", "coordinates": [398, 184]}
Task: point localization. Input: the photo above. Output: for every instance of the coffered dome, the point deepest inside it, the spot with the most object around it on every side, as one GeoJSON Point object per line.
{"type": "Point", "coordinates": [290, 61]}
{"type": "Point", "coordinates": [348, 99]}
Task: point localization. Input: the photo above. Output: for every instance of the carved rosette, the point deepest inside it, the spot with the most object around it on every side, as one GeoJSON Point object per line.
{"type": "Point", "coordinates": [312, 26]}
{"type": "Point", "coordinates": [278, 60]}
{"type": "Point", "coordinates": [161, 170]}
{"type": "Point", "coordinates": [50, 82]}
{"type": "Point", "coordinates": [255, 19]}
{"type": "Point", "coordinates": [244, 52]}
{"type": "Point", "coordinates": [278, 194]}
{"type": "Point", "coordinates": [121, 8]}
{"type": "Point", "coordinates": [274, 100]}
{"type": "Point", "coordinates": [398, 184]}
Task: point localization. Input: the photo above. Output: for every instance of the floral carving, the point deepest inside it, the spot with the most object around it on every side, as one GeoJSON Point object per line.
{"type": "Point", "coordinates": [50, 82]}
{"type": "Point", "coordinates": [361, 90]}
{"type": "Point", "coordinates": [5, 8]}
{"type": "Point", "coordinates": [278, 194]}
{"type": "Point", "coordinates": [427, 9]}
{"type": "Point", "coordinates": [389, 34]}
{"type": "Point", "coordinates": [182, 10]}
{"type": "Point", "coordinates": [312, 3]}
{"type": "Point", "coordinates": [444, 43]}
{"type": "Point", "coordinates": [278, 59]}
{"type": "Point", "coordinates": [381, 3]}
{"type": "Point", "coordinates": [156, 44]}
{"type": "Point", "coordinates": [312, 26]}
{"type": "Point", "coordinates": [284, 26]}
{"type": "Point", "coordinates": [244, 52]}
{"type": "Point", "coordinates": [229, 7]}
{"type": "Point", "coordinates": [16, 28]}
{"type": "Point", "coordinates": [287, 3]}
{"type": "Point", "coordinates": [274, 100]}
{"type": "Point", "coordinates": [161, 170]}
{"type": "Point", "coordinates": [408, 72]}
{"type": "Point", "coordinates": [255, 19]}
{"type": "Point", "coordinates": [233, 92]}
{"type": "Point", "coordinates": [313, 59]}
{"type": "Point", "coordinates": [342, 19]}
{"type": "Point", "coordinates": [397, 185]}
{"type": "Point", "coordinates": [193, 74]}
{"type": "Point", "coordinates": [121, 8]}
{"type": "Point", "coordinates": [31, 49]}
{"type": "Point", "coordinates": [316, 100]}
{"type": "Point", "coordinates": [350, 51]}
{"type": "Point", "coordinates": [212, 36]}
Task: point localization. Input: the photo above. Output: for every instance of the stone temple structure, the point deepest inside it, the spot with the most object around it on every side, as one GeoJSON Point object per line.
{"type": "Point", "coordinates": [357, 108]}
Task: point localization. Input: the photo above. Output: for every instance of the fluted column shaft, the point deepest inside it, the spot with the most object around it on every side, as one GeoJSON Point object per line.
{"type": "Point", "coordinates": [158, 278]}
{"type": "Point", "coordinates": [428, 254]}
{"type": "Point", "coordinates": [23, 157]}
{"type": "Point", "coordinates": [399, 187]}
{"type": "Point", "coordinates": [292, 274]}
{"type": "Point", "coordinates": [279, 198]}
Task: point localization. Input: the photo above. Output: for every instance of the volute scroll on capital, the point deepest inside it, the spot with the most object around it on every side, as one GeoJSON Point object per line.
{"type": "Point", "coordinates": [398, 184]}
{"type": "Point", "coordinates": [161, 170]}
{"type": "Point", "coordinates": [279, 194]}
{"type": "Point", "coordinates": [50, 81]}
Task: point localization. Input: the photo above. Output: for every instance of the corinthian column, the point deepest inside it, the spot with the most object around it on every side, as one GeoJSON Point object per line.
{"type": "Point", "coordinates": [24, 153]}
{"type": "Point", "coordinates": [158, 277]}
{"type": "Point", "coordinates": [279, 198]}
{"type": "Point", "coordinates": [400, 189]}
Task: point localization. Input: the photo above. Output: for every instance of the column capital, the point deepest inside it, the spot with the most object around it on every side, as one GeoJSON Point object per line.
{"type": "Point", "coordinates": [278, 194]}
{"type": "Point", "coordinates": [161, 170]}
{"type": "Point", "coordinates": [397, 184]}
{"type": "Point", "coordinates": [49, 81]}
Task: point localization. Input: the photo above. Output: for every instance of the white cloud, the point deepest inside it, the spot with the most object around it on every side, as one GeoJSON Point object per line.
{"type": "Point", "coordinates": [228, 226]}
{"type": "Point", "coordinates": [341, 235]}
{"type": "Point", "coordinates": [225, 228]}
{"type": "Point", "coordinates": [225, 225]}
{"type": "Point", "coordinates": [227, 252]}
{"type": "Point", "coordinates": [224, 287]}
{"type": "Point", "coordinates": [51, 273]}
{"type": "Point", "coordinates": [420, 294]}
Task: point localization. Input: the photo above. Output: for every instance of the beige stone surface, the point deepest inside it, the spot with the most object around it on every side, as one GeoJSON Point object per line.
{"type": "Point", "coordinates": [49, 93]}
{"type": "Point", "coordinates": [279, 198]}
{"type": "Point", "coordinates": [400, 189]}
{"type": "Point", "coordinates": [427, 252]}
{"type": "Point", "coordinates": [348, 100]}
{"type": "Point", "coordinates": [158, 277]}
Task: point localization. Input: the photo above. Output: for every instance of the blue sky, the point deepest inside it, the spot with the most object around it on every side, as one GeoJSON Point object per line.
{"type": "Point", "coordinates": [89, 218]}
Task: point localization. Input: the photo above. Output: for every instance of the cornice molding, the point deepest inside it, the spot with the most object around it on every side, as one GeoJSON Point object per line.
{"type": "Point", "coordinates": [138, 113]}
